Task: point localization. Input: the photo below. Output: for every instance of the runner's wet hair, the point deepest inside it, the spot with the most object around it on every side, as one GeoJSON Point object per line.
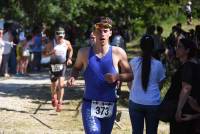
{"type": "Point", "coordinates": [102, 21]}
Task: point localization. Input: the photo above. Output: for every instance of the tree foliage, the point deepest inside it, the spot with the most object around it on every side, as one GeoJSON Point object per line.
{"type": "Point", "coordinates": [130, 15]}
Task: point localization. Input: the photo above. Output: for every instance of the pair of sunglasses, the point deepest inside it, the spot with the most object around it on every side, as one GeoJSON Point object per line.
{"type": "Point", "coordinates": [60, 32]}
{"type": "Point", "coordinates": [102, 25]}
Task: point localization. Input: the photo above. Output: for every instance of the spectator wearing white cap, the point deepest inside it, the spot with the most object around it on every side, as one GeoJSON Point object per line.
{"type": "Point", "coordinates": [188, 12]}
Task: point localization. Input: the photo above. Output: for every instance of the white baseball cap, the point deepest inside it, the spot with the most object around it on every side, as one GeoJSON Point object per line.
{"type": "Point", "coordinates": [60, 31]}
{"type": "Point", "coordinates": [189, 2]}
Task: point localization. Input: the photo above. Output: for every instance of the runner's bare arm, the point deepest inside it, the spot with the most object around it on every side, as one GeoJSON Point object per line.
{"type": "Point", "coordinates": [69, 50]}
{"type": "Point", "coordinates": [70, 53]}
{"type": "Point", "coordinates": [48, 50]}
{"type": "Point", "coordinates": [126, 72]}
{"type": "Point", "coordinates": [78, 66]}
{"type": "Point", "coordinates": [120, 59]}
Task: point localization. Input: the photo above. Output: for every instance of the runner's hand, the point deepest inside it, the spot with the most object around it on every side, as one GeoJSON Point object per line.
{"type": "Point", "coordinates": [111, 78]}
{"type": "Point", "coordinates": [69, 62]}
{"type": "Point", "coordinates": [52, 52]}
{"type": "Point", "coordinates": [70, 82]}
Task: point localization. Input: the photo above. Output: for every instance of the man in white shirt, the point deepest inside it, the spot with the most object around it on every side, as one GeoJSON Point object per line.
{"type": "Point", "coordinates": [1, 45]}
{"type": "Point", "coordinates": [5, 52]}
{"type": "Point", "coordinates": [188, 11]}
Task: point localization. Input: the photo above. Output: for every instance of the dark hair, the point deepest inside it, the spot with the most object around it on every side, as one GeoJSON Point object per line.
{"type": "Point", "coordinates": [147, 45]}
{"type": "Point", "coordinates": [197, 31]}
{"type": "Point", "coordinates": [189, 44]}
{"type": "Point", "coordinates": [151, 29]}
{"type": "Point", "coordinates": [179, 24]}
{"type": "Point", "coordinates": [159, 29]}
{"type": "Point", "coordinates": [173, 28]}
{"type": "Point", "coordinates": [59, 28]}
{"type": "Point", "coordinates": [36, 29]}
{"type": "Point", "coordinates": [103, 19]}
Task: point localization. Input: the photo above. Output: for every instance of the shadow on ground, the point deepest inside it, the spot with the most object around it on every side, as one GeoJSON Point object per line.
{"type": "Point", "coordinates": [40, 92]}
{"type": "Point", "coordinates": [123, 99]}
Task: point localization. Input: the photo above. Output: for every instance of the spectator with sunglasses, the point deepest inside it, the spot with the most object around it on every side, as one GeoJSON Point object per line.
{"type": "Point", "coordinates": [60, 52]}
{"type": "Point", "coordinates": [184, 83]}
{"type": "Point", "coordinates": [100, 64]}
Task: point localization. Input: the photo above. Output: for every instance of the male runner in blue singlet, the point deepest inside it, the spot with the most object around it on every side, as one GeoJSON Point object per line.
{"type": "Point", "coordinates": [100, 64]}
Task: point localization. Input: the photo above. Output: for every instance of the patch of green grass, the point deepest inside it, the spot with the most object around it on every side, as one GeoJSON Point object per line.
{"type": "Point", "coordinates": [165, 88]}
{"type": "Point", "coordinates": [167, 25]}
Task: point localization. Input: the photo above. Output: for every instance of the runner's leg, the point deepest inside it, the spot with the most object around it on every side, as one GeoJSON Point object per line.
{"type": "Point", "coordinates": [107, 123]}
{"type": "Point", "coordinates": [61, 89]}
{"type": "Point", "coordinates": [60, 93]}
{"type": "Point", "coordinates": [54, 93]}
{"type": "Point", "coordinates": [91, 124]}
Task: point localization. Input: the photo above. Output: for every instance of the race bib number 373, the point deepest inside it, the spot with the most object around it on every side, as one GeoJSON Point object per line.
{"type": "Point", "coordinates": [102, 109]}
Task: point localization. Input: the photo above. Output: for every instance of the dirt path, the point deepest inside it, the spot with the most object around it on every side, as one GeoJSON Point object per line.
{"type": "Point", "coordinates": [25, 107]}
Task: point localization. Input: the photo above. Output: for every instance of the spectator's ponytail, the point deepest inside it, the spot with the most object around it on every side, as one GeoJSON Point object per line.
{"type": "Point", "coordinates": [147, 45]}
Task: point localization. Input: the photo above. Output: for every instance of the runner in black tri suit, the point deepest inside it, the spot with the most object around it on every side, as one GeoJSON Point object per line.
{"type": "Point", "coordinates": [59, 49]}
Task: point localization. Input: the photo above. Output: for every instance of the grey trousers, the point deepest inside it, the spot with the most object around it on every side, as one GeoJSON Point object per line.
{"type": "Point", "coordinates": [0, 59]}
{"type": "Point", "coordinates": [4, 64]}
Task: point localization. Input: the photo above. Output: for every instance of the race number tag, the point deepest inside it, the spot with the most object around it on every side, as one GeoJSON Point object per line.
{"type": "Point", "coordinates": [102, 109]}
{"type": "Point", "coordinates": [56, 67]}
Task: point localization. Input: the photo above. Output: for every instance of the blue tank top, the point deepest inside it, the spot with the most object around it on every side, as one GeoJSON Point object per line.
{"type": "Point", "coordinates": [96, 88]}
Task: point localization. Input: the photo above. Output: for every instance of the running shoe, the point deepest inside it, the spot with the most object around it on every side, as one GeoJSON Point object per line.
{"type": "Point", "coordinates": [54, 101]}
{"type": "Point", "coordinates": [58, 108]}
{"type": "Point", "coordinates": [6, 75]}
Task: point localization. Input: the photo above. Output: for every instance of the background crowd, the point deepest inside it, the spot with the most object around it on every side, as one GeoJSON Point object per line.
{"type": "Point", "coordinates": [21, 52]}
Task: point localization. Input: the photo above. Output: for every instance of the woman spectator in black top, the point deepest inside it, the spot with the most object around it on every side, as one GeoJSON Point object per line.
{"type": "Point", "coordinates": [184, 84]}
